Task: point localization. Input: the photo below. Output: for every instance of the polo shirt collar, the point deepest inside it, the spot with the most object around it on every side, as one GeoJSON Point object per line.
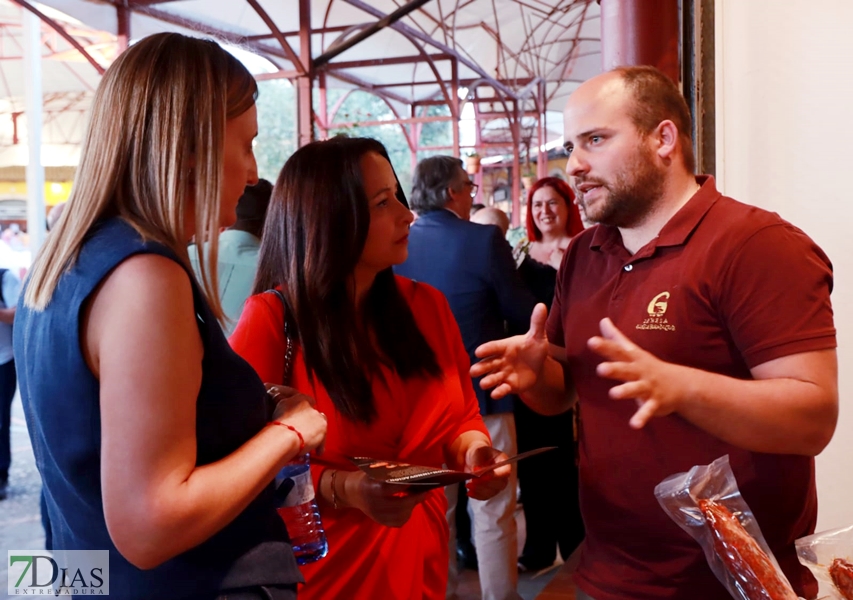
{"type": "Point", "coordinates": [681, 225]}
{"type": "Point", "coordinates": [239, 237]}
{"type": "Point", "coordinates": [676, 231]}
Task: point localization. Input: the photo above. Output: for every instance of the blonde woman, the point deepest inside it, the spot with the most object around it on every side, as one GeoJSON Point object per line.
{"type": "Point", "coordinates": [149, 432]}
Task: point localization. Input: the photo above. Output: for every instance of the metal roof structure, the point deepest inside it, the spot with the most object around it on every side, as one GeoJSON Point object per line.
{"type": "Point", "coordinates": [69, 81]}
{"type": "Point", "coordinates": [514, 61]}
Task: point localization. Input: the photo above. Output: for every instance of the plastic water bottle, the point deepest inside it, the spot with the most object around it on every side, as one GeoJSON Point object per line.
{"type": "Point", "coordinates": [297, 506]}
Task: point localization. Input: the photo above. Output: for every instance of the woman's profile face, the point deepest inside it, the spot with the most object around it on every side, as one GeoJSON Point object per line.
{"type": "Point", "coordinates": [239, 167]}
{"type": "Point", "coordinates": [550, 213]}
{"type": "Point", "coordinates": [387, 241]}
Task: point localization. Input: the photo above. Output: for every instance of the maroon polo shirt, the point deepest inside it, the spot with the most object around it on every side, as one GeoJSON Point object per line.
{"type": "Point", "coordinates": [724, 287]}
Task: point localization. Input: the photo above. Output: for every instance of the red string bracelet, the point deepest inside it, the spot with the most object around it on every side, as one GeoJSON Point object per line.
{"type": "Point", "coordinates": [294, 430]}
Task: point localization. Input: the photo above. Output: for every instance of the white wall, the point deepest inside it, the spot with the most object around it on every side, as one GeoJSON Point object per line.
{"type": "Point", "coordinates": [784, 112]}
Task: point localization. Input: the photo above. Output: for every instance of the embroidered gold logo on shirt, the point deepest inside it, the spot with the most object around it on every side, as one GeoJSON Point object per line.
{"type": "Point", "coordinates": [657, 307]}
{"type": "Point", "coordinates": [657, 311]}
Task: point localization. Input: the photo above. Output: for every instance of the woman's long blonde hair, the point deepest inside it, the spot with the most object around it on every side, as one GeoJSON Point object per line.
{"type": "Point", "coordinates": [153, 152]}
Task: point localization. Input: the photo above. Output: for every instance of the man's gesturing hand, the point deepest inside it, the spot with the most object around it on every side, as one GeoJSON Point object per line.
{"type": "Point", "coordinates": [655, 385]}
{"type": "Point", "coordinates": [512, 365]}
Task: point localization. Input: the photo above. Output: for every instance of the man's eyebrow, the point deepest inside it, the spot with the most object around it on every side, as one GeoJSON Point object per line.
{"type": "Point", "coordinates": [584, 134]}
{"type": "Point", "coordinates": [589, 132]}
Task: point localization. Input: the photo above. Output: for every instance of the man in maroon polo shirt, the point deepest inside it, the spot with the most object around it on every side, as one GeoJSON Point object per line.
{"type": "Point", "coordinates": [688, 326]}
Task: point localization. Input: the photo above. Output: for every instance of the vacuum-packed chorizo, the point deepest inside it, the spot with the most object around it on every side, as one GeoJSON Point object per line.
{"type": "Point", "coordinates": [841, 572]}
{"type": "Point", "coordinates": [758, 576]}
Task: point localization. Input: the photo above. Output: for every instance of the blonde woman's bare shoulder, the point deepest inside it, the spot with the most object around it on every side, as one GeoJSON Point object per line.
{"type": "Point", "coordinates": [145, 305]}
{"type": "Point", "coordinates": [144, 283]}
{"type": "Point", "coordinates": [151, 272]}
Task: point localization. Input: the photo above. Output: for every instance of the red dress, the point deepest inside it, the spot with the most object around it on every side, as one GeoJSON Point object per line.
{"type": "Point", "coordinates": [417, 421]}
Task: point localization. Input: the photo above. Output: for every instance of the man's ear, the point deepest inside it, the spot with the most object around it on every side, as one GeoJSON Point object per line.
{"type": "Point", "coordinates": [666, 136]}
{"type": "Point", "coordinates": [449, 193]}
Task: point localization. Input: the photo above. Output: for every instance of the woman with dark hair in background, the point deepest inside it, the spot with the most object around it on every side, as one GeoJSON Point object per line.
{"type": "Point", "coordinates": [551, 519]}
{"type": "Point", "coordinates": [148, 430]}
{"type": "Point", "coordinates": [382, 355]}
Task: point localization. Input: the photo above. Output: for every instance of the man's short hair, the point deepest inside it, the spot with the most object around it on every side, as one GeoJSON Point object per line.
{"type": "Point", "coordinates": [656, 98]}
{"type": "Point", "coordinates": [252, 208]}
{"type": "Point", "coordinates": [433, 176]}
{"type": "Point", "coordinates": [253, 204]}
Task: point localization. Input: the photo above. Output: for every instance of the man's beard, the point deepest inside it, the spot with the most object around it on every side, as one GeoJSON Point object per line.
{"type": "Point", "coordinates": [632, 196]}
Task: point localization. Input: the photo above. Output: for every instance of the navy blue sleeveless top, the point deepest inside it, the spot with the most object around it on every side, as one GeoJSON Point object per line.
{"type": "Point", "coordinates": [61, 401]}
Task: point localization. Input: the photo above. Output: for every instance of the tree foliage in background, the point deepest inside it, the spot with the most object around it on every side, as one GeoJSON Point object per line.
{"type": "Point", "coordinates": [362, 106]}
{"type": "Point", "coordinates": [276, 139]}
{"type": "Point", "coordinates": [277, 117]}
{"type": "Point", "coordinates": [436, 133]}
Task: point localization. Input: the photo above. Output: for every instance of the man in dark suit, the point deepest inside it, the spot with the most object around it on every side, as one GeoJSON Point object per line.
{"type": "Point", "coordinates": [472, 265]}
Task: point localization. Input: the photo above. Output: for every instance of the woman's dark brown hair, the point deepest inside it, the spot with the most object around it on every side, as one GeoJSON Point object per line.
{"type": "Point", "coordinates": [314, 235]}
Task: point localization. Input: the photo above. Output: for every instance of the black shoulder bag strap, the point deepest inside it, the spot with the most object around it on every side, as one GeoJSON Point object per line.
{"type": "Point", "coordinates": [288, 353]}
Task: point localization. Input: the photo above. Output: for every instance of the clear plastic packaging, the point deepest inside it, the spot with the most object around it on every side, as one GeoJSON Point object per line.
{"type": "Point", "coordinates": [829, 556]}
{"type": "Point", "coordinates": [706, 503]}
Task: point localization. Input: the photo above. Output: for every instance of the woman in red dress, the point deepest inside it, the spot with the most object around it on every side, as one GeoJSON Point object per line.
{"type": "Point", "coordinates": [383, 357]}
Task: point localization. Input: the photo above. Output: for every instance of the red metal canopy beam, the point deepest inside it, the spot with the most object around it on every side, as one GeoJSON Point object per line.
{"type": "Point", "coordinates": [406, 133]}
{"type": "Point", "coordinates": [462, 82]}
{"type": "Point", "coordinates": [383, 22]}
{"type": "Point", "coordinates": [490, 115]}
{"type": "Point", "coordinates": [367, 86]}
{"type": "Point", "coordinates": [515, 129]}
{"type": "Point", "coordinates": [277, 75]}
{"type": "Point", "coordinates": [455, 106]}
{"type": "Point", "coordinates": [267, 36]}
{"type": "Point", "coordinates": [640, 32]}
{"type": "Point", "coordinates": [542, 134]}
{"type": "Point", "coordinates": [225, 36]}
{"type": "Point", "coordinates": [123, 27]}
{"type": "Point", "coordinates": [408, 121]}
{"type": "Point", "coordinates": [74, 73]}
{"type": "Point", "coordinates": [288, 51]}
{"type": "Point", "coordinates": [448, 96]}
{"type": "Point", "coordinates": [476, 99]}
{"type": "Point", "coordinates": [61, 31]}
{"type": "Point", "coordinates": [381, 62]}
{"type": "Point", "coordinates": [498, 145]}
{"type": "Point", "coordinates": [530, 88]}
{"type": "Point", "coordinates": [305, 83]}
{"type": "Point", "coordinates": [414, 33]}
